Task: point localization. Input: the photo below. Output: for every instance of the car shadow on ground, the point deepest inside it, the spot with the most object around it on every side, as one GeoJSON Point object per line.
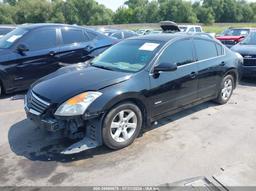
{"type": "Point", "coordinates": [248, 82]}
{"type": "Point", "coordinates": [14, 96]}
{"type": "Point", "coordinates": [38, 145]}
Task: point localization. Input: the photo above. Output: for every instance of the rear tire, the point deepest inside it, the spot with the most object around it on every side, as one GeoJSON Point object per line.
{"type": "Point", "coordinates": [1, 89]}
{"type": "Point", "coordinates": [226, 91]}
{"type": "Point", "coordinates": [121, 126]}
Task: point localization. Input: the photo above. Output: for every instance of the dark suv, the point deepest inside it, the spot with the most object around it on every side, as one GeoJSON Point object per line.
{"type": "Point", "coordinates": [32, 51]}
{"type": "Point", "coordinates": [131, 85]}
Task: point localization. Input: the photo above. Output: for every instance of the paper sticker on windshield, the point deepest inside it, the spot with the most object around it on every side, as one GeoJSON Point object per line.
{"type": "Point", "coordinates": [149, 46]}
{"type": "Point", "coordinates": [13, 38]}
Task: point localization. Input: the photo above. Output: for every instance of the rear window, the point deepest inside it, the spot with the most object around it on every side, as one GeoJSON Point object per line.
{"type": "Point", "coordinates": [236, 32]}
{"type": "Point", "coordinates": [92, 35]}
{"type": "Point", "coordinates": [71, 36]}
{"type": "Point", "coordinates": [205, 49]}
{"type": "Point", "coordinates": [128, 34]}
{"type": "Point", "coordinates": [4, 31]}
{"type": "Point", "coordinates": [117, 35]}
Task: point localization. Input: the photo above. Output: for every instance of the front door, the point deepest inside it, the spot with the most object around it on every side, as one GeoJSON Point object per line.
{"type": "Point", "coordinates": [172, 90]}
{"type": "Point", "coordinates": [75, 45]}
{"type": "Point", "coordinates": [39, 60]}
{"type": "Point", "coordinates": [209, 63]}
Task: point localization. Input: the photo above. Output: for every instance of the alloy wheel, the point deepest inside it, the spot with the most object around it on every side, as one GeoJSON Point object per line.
{"type": "Point", "coordinates": [123, 125]}
{"type": "Point", "coordinates": [227, 89]}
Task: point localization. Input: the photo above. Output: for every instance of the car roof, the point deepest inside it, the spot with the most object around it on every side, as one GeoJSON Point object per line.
{"type": "Point", "coordinates": [189, 26]}
{"type": "Point", "coordinates": [166, 37]}
{"type": "Point", "coordinates": [248, 28]}
{"type": "Point", "coordinates": [8, 26]}
{"type": "Point", "coordinates": [41, 25]}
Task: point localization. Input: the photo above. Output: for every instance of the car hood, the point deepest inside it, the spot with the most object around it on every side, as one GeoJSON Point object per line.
{"type": "Point", "coordinates": [229, 37]}
{"type": "Point", "coordinates": [70, 81]}
{"type": "Point", "coordinates": [4, 52]}
{"type": "Point", "coordinates": [244, 49]}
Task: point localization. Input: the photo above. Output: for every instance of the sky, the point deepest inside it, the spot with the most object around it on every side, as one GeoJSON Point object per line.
{"type": "Point", "coordinates": [114, 4]}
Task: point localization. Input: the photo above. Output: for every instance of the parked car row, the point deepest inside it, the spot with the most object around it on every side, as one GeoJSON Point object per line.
{"type": "Point", "coordinates": [130, 85]}
{"type": "Point", "coordinates": [113, 88]}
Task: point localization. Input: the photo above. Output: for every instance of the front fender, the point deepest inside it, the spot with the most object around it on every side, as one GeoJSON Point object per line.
{"type": "Point", "coordinates": [121, 92]}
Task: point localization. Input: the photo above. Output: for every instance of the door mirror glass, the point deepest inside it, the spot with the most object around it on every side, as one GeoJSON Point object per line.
{"type": "Point", "coordinates": [165, 67]}
{"type": "Point", "coordinates": [22, 48]}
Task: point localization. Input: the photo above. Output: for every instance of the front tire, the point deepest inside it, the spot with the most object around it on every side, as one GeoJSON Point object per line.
{"type": "Point", "coordinates": [227, 87]}
{"type": "Point", "coordinates": [121, 126]}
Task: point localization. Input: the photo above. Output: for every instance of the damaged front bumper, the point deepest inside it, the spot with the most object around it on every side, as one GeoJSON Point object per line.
{"type": "Point", "coordinates": [86, 130]}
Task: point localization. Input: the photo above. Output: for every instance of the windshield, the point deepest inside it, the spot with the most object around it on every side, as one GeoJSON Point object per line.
{"type": "Point", "coordinates": [250, 39]}
{"type": "Point", "coordinates": [235, 32]}
{"type": "Point", "coordinates": [9, 39]}
{"type": "Point", "coordinates": [183, 29]}
{"type": "Point", "coordinates": [127, 56]}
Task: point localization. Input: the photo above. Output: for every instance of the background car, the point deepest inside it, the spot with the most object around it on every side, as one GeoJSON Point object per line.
{"type": "Point", "coordinates": [120, 34]}
{"type": "Point", "coordinates": [247, 48]}
{"type": "Point", "coordinates": [232, 36]}
{"type": "Point", "coordinates": [143, 31]}
{"type": "Point", "coordinates": [4, 29]}
{"type": "Point", "coordinates": [191, 28]}
{"type": "Point", "coordinates": [129, 86]}
{"type": "Point", "coordinates": [32, 51]}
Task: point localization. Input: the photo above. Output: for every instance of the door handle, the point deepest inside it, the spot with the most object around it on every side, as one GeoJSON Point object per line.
{"type": "Point", "coordinates": [222, 63]}
{"type": "Point", "coordinates": [193, 75]}
{"type": "Point", "coordinates": [52, 53]}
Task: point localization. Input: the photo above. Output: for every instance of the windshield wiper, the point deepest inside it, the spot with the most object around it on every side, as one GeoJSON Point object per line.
{"type": "Point", "coordinates": [102, 67]}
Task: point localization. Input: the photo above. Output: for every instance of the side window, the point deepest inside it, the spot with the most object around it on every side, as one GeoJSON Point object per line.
{"type": "Point", "coordinates": [41, 39]}
{"type": "Point", "coordinates": [180, 52]}
{"type": "Point", "coordinates": [71, 36]}
{"type": "Point", "coordinates": [205, 49]}
{"type": "Point", "coordinates": [220, 49]}
{"type": "Point", "coordinates": [198, 29]}
{"type": "Point", "coordinates": [191, 29]}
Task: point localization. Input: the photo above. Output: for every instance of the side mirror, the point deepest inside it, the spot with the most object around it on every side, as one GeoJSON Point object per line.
{"type": "Point", "coordinates": [22, 48]}
{"type": "Point", "coordinates": [165, 67]}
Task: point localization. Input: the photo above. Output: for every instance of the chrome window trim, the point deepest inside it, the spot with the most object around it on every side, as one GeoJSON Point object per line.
{"type": "Point", "coordinates": [177, 39]}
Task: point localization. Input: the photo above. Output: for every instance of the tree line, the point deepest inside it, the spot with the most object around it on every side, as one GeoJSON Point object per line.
{"type": "Point", "coordinates": [89, 12]}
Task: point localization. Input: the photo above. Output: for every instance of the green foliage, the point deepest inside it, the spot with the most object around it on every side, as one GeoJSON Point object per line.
{"type": "Point", "coordinates": [6, 14]}
{"type": "Point", "coordinates": [36, 11]}
{"type": "Point", "coordinates": [89, 12]}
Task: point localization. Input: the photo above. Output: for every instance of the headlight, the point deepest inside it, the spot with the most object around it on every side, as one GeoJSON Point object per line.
{"type": "Point", "coordinates": [78, 104]}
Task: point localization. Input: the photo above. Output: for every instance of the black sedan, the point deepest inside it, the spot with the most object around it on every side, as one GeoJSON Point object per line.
{"type": "Point", "coordinates": [247, 48]}
{"type": "Point", "coordinates": [32, 51]}
{"type": "Point", "coordinates": [131, 85]}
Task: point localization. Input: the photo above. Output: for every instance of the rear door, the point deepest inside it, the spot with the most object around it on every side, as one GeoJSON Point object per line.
{"type": "Point", "coordinates": [40, 58]}
{"type": "Point", "coordinates": [172, 90]}
{"type": "Point", "coordinates": [75, 45]}
{"type": "Point", "coordinates": [210, 60]}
